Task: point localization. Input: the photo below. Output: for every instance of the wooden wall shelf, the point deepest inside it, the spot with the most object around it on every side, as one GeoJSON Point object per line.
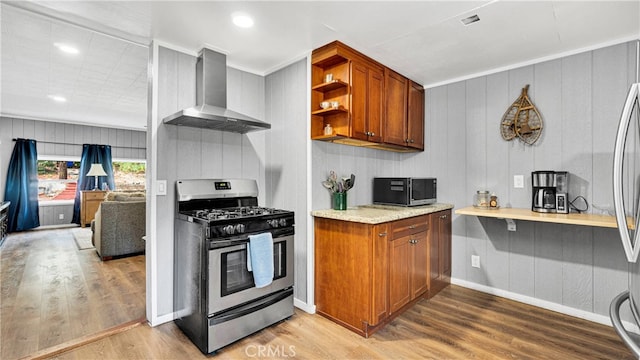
{"type": "Point", "coordinates": [528, 215]}
{"type": "Point", "coordinates": [331, 85]}
{"type": "Point", "coordinates": [329, 111]}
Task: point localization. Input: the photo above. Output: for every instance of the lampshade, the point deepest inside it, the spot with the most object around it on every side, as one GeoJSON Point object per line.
{"type": "Point", "coordinates": [96, 170]}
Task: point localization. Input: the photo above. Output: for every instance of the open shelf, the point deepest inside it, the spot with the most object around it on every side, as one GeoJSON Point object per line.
{"type": "Point", "coordinates": [329, 111]}
{"type": "Point", "coordinates": [329, 86]}
{"type": "Point", "coordinates": [528, 215]}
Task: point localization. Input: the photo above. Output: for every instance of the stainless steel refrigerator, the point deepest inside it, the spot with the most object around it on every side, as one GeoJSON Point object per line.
{"type": "Point", "coordinates": [626, 199]}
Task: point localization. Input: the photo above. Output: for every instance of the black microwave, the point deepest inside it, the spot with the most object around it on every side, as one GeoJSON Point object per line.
{"type": "Point", "coordinates": [404, 191]}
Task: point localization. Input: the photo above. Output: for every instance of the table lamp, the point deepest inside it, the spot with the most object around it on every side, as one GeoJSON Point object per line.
{"type": "Point", "coordinates": [96, 170]}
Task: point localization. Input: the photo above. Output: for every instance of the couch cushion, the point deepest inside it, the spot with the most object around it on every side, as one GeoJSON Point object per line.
{"type": "Point", "coordinates": [124, 196]}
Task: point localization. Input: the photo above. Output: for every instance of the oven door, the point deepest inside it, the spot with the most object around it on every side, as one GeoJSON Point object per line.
{"type": "Point", "coordinates": [231, 284]}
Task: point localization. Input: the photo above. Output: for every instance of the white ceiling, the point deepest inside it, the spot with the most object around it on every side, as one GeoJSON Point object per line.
{"type": "Point", "coordinates": [106, 83]}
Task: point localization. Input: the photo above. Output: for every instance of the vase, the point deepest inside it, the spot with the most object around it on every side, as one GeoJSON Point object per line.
{"type": "Point", "coordinates": [340, 201]}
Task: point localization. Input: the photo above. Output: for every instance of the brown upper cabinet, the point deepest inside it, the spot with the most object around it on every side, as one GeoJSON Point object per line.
{"type": "Point", "coordinates": [358, 101]}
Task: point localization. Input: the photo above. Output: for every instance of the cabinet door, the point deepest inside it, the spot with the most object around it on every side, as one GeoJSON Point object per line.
{"type": "Point", "coordinates": [444, 230]}
{"type": "Point", "coordinates": [379, 280]}
{"type": "Point", "coordinates": [415, 117]}
{"type": "Point", "coordinates": [375, 105]}
{"type": "Point", "coordinates": [419, 264]}
{"type": "Point", "coordinates": [395, 131]}
{"type": "Point", "coordinates": [359, 77]}
{"type": "Point", "coordinates": [434, 255]}
{"type": "Point", "coordinates": [440, 251]}
{"type": "Point", "coordinates": [367, 86]}
{"type": "Point", "coordinates": [399, 273]}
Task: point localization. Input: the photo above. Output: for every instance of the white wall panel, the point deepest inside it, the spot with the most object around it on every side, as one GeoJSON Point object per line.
{"type": "Point", "coordinates": [520, 155]}
{"type": "Point", "coordinates": [69, 139]}
{"type": "Point", "coordinates": [580, 99]}
{"type": "Point", "coordinates": [188, 153]}
{"type": "Point", "coordinates": [286, 164]}
{"type": "Point", "coordinates": [548, 262]}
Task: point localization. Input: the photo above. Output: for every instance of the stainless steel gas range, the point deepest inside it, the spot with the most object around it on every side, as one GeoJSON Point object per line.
{"type": "Point", "coordinates": [216, 301]}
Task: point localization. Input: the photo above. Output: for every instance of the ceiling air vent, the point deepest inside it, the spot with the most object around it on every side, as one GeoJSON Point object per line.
{"type": "Point", "coordinates": [470, 20]}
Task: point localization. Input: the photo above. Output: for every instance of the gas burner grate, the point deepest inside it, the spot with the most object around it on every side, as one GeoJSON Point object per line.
{"type": "Point", "coordinates": [233, 213]}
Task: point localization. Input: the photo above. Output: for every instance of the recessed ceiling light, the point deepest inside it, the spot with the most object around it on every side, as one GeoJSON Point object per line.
{"type": "Point", "coordinates": [242, 20]}
{"type": "Point", "coordinates": [57, 98]}
{"type": "Point", "coordinates": [66, 48]}
{"type": "Point", "coordinates": [470, 20]}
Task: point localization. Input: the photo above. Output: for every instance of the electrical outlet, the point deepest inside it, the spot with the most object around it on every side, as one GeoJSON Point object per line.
{"type": "Point", "coordinates": [475, 261]}
{"type": "Point", "coordinates": [518, 181]}
{"type": "Point", "coordinates": [61, 216]}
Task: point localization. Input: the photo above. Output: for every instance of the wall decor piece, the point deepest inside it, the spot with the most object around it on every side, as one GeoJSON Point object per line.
{"type": "Point", "coordinates": [522, 119]}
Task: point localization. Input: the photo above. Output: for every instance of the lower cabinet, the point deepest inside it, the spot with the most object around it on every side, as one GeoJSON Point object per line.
{"type": "Point", "coordinates": [440, 251]}
{"type": "Point", "coordinates": [367, 274]}
{"type": "Point", "coordinates": [408, 263]}
{"type": "Point", "coordinates": [351, 265]}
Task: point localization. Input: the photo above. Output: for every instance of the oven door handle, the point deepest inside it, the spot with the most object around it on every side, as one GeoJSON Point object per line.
{"type": "Point", "coordinates": [249, 308]}
{"type": "Point", "coordinates": [242, 246]}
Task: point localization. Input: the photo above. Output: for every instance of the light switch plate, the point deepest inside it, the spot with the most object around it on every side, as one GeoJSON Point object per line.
{"type": "Point", "coordinates": [518, 181]}
{"type": "Point", "coordinates": [161, 187]}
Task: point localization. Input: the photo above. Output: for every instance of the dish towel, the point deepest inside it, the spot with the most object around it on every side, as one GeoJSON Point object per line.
{"type": "Point", "coordinates": [260, 258]}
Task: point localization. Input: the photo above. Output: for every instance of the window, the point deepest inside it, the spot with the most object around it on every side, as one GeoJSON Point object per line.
{"type": "Point", "coordinates": [129, 175]}
{"type": "Point", "coordinates": [58, 178]}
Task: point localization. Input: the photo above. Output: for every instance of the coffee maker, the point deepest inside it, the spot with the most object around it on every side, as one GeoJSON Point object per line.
{"type": "Point", "coordinates": [550, 191]}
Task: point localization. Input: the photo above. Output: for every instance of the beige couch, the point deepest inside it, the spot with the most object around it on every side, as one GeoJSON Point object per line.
{"type": "Point", "coordinates": [119, 225]}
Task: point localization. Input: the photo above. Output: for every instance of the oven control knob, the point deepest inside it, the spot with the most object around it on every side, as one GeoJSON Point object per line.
{"type": "Point", "coordinates": [283, 222]}
{"type": "Point", "coordinates": [273, 223]}
{"type": "Point", "coordinates": [239, 228]}
{"type": "Point", "coordinates": [229, 229]}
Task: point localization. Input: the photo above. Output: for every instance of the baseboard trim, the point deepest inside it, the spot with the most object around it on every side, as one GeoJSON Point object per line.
{"type": "Point", "coordinates": [159, 320]}
{"type": "Point", "coordinates": [87, 339]}
{"type": "Point", "coordinates": [311, 309]}
{"type": "Point", "coordinates": [563, 309]}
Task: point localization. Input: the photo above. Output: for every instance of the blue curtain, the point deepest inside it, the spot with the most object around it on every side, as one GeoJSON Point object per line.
{"type": "Point", "coordinates": [92, 154]}
{"type": "Point", "coordinates": [22, 186]}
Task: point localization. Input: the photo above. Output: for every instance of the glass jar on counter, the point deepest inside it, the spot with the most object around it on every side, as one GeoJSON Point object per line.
{"type": "Point", "coordinates": [481, 199]}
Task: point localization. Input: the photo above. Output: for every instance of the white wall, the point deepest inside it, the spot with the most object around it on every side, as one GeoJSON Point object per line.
{"type": "Point", "coordinates": [191, 153]}
{"type": "Point", "coordinates": [126, 144]}
{"type": "Point", "coordinates": [286, 155]}
{"type": "Point", "coordinates": [577, 269]}
{"type": "Point", "coordinates": [569, 268]}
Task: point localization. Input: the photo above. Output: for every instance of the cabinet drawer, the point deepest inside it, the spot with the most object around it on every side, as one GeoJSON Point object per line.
{"type": "Point", "coordinates": [93, 195]}
{"type": "Point", "coordinates": [409, 226]}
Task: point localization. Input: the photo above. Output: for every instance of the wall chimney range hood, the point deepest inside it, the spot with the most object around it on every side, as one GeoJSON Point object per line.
{"type": "Point", "coordinates": [211, 110]}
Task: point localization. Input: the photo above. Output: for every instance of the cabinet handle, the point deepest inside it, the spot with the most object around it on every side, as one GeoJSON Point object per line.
{"type": "Point", "coordinates": [372, 134]}
{"type": "Point", "coordinates": [406, 140]}
{"type": "Point", "coordinates": [443, 216]}
{"type": "Point", "coordinates": [412, 226]}
{"type": "Point", "coordinates": [411, 141]}
{"type": "Point", "coordinates": [413, 241]}
{"type": "Point", "coordinates": [382, 234]}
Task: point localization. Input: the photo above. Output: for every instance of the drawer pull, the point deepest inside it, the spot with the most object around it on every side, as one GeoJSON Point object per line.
{"type": "Point", "coordinates": [412, 226]}
{"type": "Point", "coordinates": [382, 234]}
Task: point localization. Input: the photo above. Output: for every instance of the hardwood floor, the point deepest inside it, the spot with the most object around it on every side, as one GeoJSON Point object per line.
{"type": "Point", "coordinates": [458, 323]}
{"type": "Point", "coordinates": [52, 292]}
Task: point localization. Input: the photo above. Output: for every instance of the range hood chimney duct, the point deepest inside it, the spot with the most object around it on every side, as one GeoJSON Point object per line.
{"type": "Point", "coordinates": [211, 110]}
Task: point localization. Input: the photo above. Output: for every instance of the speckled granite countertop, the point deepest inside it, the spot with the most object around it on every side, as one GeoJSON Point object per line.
{"type": "Point", "coordinates": [378, 214]}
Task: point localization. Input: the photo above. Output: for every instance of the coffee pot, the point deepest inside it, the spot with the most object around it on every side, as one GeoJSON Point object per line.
{"type": "Point", "coordinates": [549, 191]}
